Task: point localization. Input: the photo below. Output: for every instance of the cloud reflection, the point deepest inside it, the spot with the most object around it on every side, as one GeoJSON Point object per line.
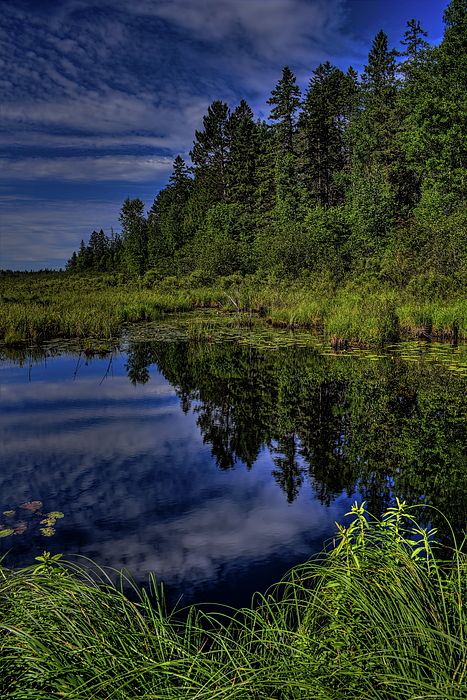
{"type": "Point", "coordinates": [136, 483]}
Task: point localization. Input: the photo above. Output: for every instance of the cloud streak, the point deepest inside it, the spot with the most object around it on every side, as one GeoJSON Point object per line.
{"type": "Point", "coordinates": [125, 168]}
{"type": "Point", "coordinates": [95, 74]}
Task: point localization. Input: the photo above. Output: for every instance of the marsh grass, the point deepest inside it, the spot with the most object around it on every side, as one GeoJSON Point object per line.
{"type": "Point", "coordinates": [378, 615]}
{"type": "Point", "coordinates": [35, 308]}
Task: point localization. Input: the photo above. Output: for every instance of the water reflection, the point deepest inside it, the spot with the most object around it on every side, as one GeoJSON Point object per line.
{"type": "Point", "coordinates": [218, 466]}
{"type": "Point", "coordinates": [342, 424]}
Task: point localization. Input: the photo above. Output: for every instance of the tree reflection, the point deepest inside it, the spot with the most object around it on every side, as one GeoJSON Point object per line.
{"type": "Point", "coordinates": [382, 428]}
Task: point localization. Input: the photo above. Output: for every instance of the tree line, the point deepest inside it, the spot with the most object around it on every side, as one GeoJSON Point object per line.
{"type": "Point", "coordinates": [366, 170]}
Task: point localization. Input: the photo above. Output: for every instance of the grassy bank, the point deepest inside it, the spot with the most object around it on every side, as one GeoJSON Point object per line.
{"type": "Point", "coordinates": [380, 615]}
{"type": "Point", "coordinates": [363, 309]}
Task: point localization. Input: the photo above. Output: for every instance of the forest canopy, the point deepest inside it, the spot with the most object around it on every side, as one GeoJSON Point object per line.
{"type": "Point", "coordinates": [358, 173]}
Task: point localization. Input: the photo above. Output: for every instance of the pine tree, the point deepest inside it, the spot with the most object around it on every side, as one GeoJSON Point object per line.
{"type": "Point", "coordinates": [286, 98]}
{"type": "Point", "coordinates": [167, 219]}
{"type": "Point", "coordinates": [243, 157]}
{"type": "Point", "coordinates": [84, 258]}
{"type": "Point", "coordinates": [435, 99]}
{"type": "Point", "coordinates": [71, 264]}
{"type": "Point", "coordinates": [210, 152]}
{"type": "Point", "coordinates": [375, 177]}
{"type": "Point", "coordinates": [180, 181]}
{"type": "Point", "coordinates": [413, 40]}
{"type": "Point", "coordinates": [100, 248]}
{"type": "Point", "coordinates": [135, 235]}
{"type": "Point", "coordinates": [378, 120]}
{"type": "Point", "coordinates": [321, 127]}
{"type": "Point", "coordinates": [378, 78]}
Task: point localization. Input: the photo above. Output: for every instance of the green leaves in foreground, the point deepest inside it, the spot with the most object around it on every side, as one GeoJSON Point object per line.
{"type": "Point", "coordinates": [380, 615]}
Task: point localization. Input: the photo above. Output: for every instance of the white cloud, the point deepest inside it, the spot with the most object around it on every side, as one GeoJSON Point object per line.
{"type": "Point", "coordinates": [104, 73]}
{"type": "Point", "coordinates": [125, 168]}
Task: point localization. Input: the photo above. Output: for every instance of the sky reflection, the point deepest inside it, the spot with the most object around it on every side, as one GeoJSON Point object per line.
{"type": "Point", "coordinates": [138, 486]}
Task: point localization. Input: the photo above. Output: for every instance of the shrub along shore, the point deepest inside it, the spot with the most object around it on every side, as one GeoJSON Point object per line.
{"type": "Point", "coordinates": [380, 615]}
{"type": "Point", "coordinates": [362, 309]}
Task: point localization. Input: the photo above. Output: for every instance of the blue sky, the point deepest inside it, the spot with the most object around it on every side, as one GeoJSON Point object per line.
{"type": "Point", "coordinates": [99, 96]}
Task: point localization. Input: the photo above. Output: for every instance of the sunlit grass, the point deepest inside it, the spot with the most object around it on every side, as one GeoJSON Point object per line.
{"type": "Point", "coordinates": [380, 615]}
{"type": "Point", "coordinates": [34, 308]}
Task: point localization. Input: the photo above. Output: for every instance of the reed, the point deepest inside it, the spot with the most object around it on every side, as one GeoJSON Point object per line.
{"type": "Point", "coordinates": [379, 615]}
{"type": "Point", "coordinates": [361, 310]}
{"type": "Point", "coordinates": [37, 309]}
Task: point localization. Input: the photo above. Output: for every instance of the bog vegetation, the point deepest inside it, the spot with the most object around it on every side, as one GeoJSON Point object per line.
{"type": "Point", "coordinates": [347, 210]}
{"type": "Point", "coordinates": [380, 615]}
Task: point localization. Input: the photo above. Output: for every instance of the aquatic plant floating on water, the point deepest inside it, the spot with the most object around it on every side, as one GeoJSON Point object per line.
{"type": "Point", "coordinates": [47, 531]}
{"type": "Point", "coordinates": [32, 505]}
{"type": "Point", "coordinates": [5, 532]}
{"type": "Point", "coordinates": [18, 528]}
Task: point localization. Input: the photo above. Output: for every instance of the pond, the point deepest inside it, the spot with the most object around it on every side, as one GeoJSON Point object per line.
{"type": "Point", "coordinates": [218, 464]}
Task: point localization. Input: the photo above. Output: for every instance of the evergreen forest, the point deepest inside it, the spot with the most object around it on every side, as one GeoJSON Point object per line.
{"type": "Point", "coordinates": [362, 175]}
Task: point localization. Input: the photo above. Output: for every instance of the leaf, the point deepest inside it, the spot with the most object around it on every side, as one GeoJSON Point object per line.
{"type": "Point", "coordinates": [47, 531]}
{"type": "Point", "coordinates": [9, 513]}
{"type": "Point", "coordinates": [55, 514]}
{"type": "Point", "coordinates": [20, 529]}
{"type": "Point", "coordinates": [5, 533]}
{"type": "Point", "coordinates": [32, 505]}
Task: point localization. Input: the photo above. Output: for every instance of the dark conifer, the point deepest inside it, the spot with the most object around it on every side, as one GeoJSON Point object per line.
{"type": "Point", "coordinates": [210, 152]}
{"type": "Point", "coordinates": [321, 127]}
{"type": "Point", "coordinates": [135, 235]}
{"type": "Point", "coordinates": [243, 157]}
{"type": "Point", "coordinates": [286, 98]}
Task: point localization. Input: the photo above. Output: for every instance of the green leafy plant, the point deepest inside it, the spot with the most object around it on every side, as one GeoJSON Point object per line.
{"type": "Point", "coordinates": [379, 615]}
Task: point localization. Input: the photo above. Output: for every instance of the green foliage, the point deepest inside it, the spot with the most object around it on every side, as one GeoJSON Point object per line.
{"type": "Point", "coordinates": [371, 212]}
{"type": "Point", "coordinates": [380, 615]}
{"type": "Point", "coordinates": [385, 158]}
{"type": "Point", "coordinates": [286, 98]}
{"type": "Point", "coordinates": [223, 245]}
{"type": "Point", "coordinates": [135, 236]}
{"type": "Point", "coordinates": [322, 125]}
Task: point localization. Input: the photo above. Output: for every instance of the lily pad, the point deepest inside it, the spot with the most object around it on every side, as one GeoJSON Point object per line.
{"type": "Point", "coordinates": [47, 531]}
{"type": "Point", "coordinates": [32, 505]}
{"type": "Point", "coordinates": [19, 529]}
{"type": "Point", "coordinates": [55, 514]}
{"type": "Point", "coordinates": [9, 513]}
{"type": "Point", "coordinates": [5, 533]}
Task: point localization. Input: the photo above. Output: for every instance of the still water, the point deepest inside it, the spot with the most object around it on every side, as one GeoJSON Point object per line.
{"type": "Point", "coordinates": [218, 466]}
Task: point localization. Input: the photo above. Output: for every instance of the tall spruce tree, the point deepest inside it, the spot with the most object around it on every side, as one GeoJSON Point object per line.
{"type": "Point", "coordinates": [135, 235]}
{"type": "Point", "coordinates": [210, 153]}
{"type": "Point", "coordinates": [372, 196]}
{"type": "Point", "coordinates": [243, 157]}
{"type": "Point", "coordinates": [167, 216]}
{"type": "Point", "coordinates": [99, 246]}
{"type": "Point", "coordinates": [435, 99]}
{"type": "Point", "coordinates": [378, 118]}
{"type": "Point", "coordinates": [321, 128]}
{"type": "Point", "coordinates": [285, 99]}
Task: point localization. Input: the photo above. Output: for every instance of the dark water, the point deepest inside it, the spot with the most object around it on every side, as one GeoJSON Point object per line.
{"type": "Point", "coordinates": [219, 466]}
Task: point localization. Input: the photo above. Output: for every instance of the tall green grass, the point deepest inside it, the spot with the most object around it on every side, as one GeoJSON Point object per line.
{"type": "Point", "coordinates": [359, 309]}
{"type": "Point", "coordinates": [34, 309]}
{"type": "Point", "coordinates": [380, 615]}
